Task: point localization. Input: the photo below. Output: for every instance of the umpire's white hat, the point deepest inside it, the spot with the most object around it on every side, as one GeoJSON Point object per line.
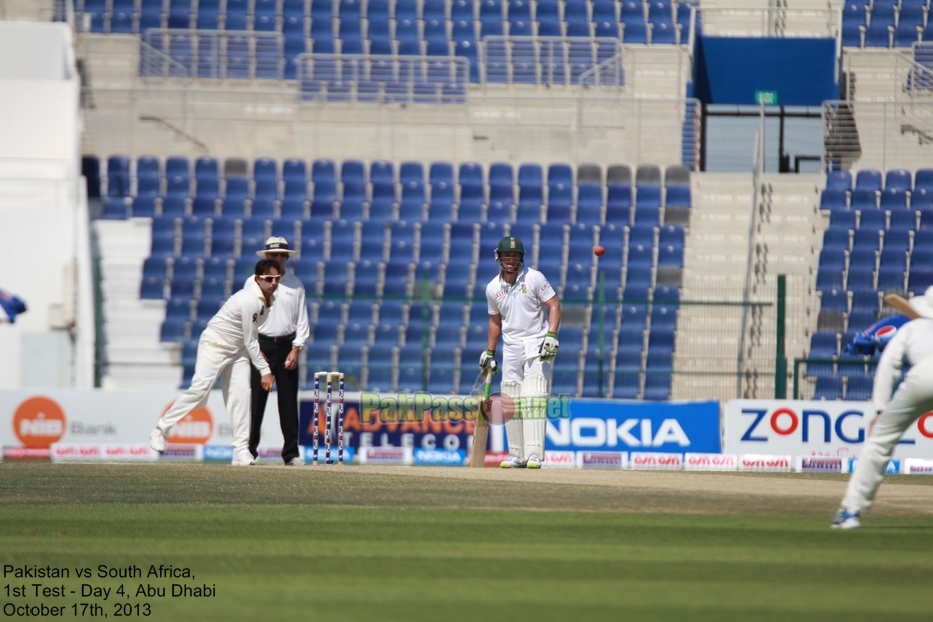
{"type": "Point", "coordinates": [276, 245]}
{"type": "Point", "coordinates": [923, 305]}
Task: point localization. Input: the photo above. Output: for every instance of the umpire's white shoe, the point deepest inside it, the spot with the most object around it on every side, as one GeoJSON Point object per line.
{"type": "Point", "coordinates": [846, 520]}
{"type": "Point", "coordinates": [534, 462]}
{"type": "Point", "coordinates": [296, 461]}
{"type": "Point", "coordinates": [157, 440]}
{"type": "Point", "coordinates": [512, 463]}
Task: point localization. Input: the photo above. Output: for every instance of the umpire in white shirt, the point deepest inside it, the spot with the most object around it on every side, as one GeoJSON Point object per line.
{"type": "Point", "coordinates": [898, 406]}
{"type": "Point", "coordinates": [281, 340]}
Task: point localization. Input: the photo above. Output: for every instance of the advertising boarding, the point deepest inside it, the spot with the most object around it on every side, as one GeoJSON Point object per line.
{"type": "Point", "coordinates": [32, 421]}
{"type": "Point", "coordinates": [813, 428]}
{"type": "Point", "coordinates": [423, 421]}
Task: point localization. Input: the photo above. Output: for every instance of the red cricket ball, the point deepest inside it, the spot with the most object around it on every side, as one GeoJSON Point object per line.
{"type": "Point", "coordinates": [599, 251]}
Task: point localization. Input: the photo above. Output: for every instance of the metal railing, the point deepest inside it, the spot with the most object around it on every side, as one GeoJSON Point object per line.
{"type": "Point", "coordinates": [383, 78]}
{"type": "Point", "coordinates": [547, 61]}
{"type": "Point", "coordinates": [609, 72]}
{"type": "Point", "coordinates": [155, 63]}
{"type": "Point", "coordinates": [840, 371]}
{"type": "Point", "coordinates": [758, 158]}
{"type": "Point", "coordinates": [605, 352]}
{"type": "Point", "coordinates": [218, 54]}
{"type": "Point", "coordinates": [771, 22]}
{"type": "Point", "coordinates": [276, 122]}
{"type": "Point", "coordinates": [882, 135]}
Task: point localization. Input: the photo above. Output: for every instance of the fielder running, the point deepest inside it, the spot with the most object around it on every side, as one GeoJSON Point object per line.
{"type": "Point", "coordinates": [910, 350]}
{"type": "Point", "coordinates": [225, 349]}
{"type": "Point", "coordinates": [517, 298]}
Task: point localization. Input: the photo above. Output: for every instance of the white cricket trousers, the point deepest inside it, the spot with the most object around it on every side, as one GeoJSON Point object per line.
{"type": "Point", "coordinates": [217, 358]}
{"type": "Point", "coordinates": [520, 360]}
{"type": "Point", "coordinates": [912, 399]}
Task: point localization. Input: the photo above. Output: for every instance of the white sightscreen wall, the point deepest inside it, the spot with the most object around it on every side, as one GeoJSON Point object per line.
{"type": "Point", "coordinates": [39, 94]}
{"type": "Point", "coordinates": [35, 245]}
{"type": "Point", "coordinates": [41, 227]}
{"type": "Point", "coordinates": [34, 50]}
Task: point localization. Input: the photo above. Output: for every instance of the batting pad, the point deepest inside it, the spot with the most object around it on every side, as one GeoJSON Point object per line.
{"type": "Point", "coordinates": [535, 393]}
{"type": "Point", "coordinates": [513, 427]}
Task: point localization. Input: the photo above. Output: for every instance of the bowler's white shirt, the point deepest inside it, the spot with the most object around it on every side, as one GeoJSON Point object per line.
{"type": "Point", "coordinates": [289, 314]}
{"type": "Point", "coordinates": [912, 344]}
{"type": "Point", "coordinates": [239, 319]}
{"type": "Point", "coordinates": [520, 304]}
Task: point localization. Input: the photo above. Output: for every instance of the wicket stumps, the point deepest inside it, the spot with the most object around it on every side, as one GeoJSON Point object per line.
{"type": "Point", "coordinates": [329, 377]}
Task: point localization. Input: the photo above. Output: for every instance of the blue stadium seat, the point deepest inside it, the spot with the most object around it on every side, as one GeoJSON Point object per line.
{"type": "Point", "coordinates": [618, 203]}
{"type": "Point", "coordinates": [153, 278]}
{"type": "Point", "coordinates": [634, 28]}
{"type": "Point", "coordinates": [559, 202]}
{"type": "Point", "coordinates": [828, 388]}
{"type": "Point", "coordinates": [490, 15]}
{"type": "Point", "coordinates": [834, 199]}
{"type": "Point", "coordinates": [894, 199]}
{"type": "Point", "coordinates": [841, 180]}
{"type": "Point", "coordinates": [864, 198]}
{"type": "Point", "coordinates": [868, 178]}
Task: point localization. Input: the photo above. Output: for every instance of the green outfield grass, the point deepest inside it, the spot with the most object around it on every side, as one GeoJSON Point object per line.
{"type": "Point", "coordinates": [292, 549]}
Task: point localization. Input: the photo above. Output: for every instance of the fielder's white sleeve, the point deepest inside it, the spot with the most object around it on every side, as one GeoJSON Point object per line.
{"type": "Point", "coordinates": [889, 369]}
{"type": "Point", "coordinates": [251, 311]}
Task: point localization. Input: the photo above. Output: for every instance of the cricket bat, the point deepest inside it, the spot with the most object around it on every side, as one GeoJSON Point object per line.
{"type": "Point", "coordinates": [481, 428]}
{"type": "Point", "coordinates": [901, 304]}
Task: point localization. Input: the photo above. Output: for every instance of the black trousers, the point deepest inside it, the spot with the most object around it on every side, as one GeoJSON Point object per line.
{"type": "Point", "coordinates": [286, 383]}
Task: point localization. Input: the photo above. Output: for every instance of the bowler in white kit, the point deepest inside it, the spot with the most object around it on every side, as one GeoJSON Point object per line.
{"type": "Point", "coordinates": [910, 351]}
{"type": "Point", "coordinates": [517, 299]}
{"type": "Point", "coordinates": [225, 349]}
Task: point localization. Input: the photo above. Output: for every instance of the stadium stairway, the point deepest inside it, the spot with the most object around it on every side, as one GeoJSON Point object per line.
{"type": "Point", "coordinates": [26, 10]}
{"type": "Point", "coordinates": [737, 18]}
{"type": "Point", "coordinates": [136, 357]}
{"type": "Point", "coordinates": [902, 126]}
{"type": "Point", "coordinates": [714, 264]}
{"type": "Point", "coordinates": [121, 69]}
{"type": "Point", "coordinates": [785, 241]}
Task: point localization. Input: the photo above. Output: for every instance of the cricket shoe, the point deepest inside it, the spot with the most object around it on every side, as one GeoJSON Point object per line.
{"type": "Point", "coordinates": [296, 461]}
{"type": "Point", "coordinates": [512, 463]}
{"type": "Point", "coordinates": [534, 462]}
{"type": "Point", "coordinates": [846, 520]}
{"type": "Point", "coordinates": [243, 460]}
{"type": "Point", "coordinates": [157, 440]}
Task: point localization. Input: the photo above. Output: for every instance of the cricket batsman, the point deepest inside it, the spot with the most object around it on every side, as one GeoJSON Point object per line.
{"type": "Point", "coordinates": [898, 406]}
{"type": "Point", "coordinates": [517, 299]}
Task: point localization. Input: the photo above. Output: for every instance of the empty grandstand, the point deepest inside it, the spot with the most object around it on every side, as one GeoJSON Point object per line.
{"type": "Point", "coordinates": [393, 142]}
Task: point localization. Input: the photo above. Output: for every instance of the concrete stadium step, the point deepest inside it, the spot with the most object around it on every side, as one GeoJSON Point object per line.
{"type": "Point", "coordinates": [127, 239]}
{"type": "Point", "coordinates": [126, 312]}
{"type": "Point", "coordinates": [701, 364]}
{"type": "Point", "coordinates": [705, 386]}
{"type": "Point", "coordinates": [27, 10]}
{"type": "Point", "coordinates": [137, 355]}
{"type": "Point", "coordinates": [136, 358]}
{"type": "Point", "coordinates": [143, 377]}
{"type": "Point", "coordinates": [113, 60]}
{"type": "Point", "coordinates": [122, 270]}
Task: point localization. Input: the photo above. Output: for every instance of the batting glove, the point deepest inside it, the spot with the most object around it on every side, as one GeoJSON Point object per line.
{"type": "Point", "coordinates": [549, 347]}
{"type": "Point", "coordinates": [486, 360]}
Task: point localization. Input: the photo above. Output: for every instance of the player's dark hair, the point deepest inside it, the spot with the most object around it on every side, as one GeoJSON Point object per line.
{"type": "Point", "coordinates": [264, 265]}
